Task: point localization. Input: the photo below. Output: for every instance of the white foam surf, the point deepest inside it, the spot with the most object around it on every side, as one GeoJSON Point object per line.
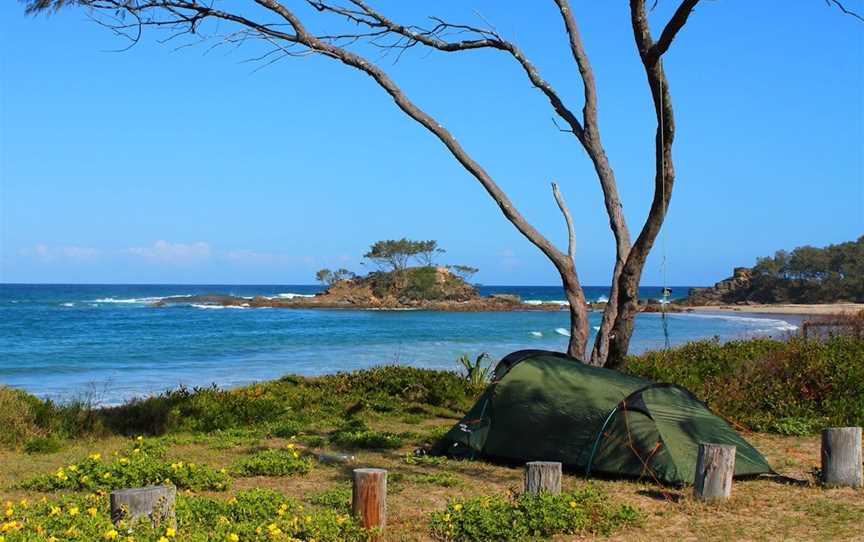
{"type": "Point", "coordinates": [562, 331]}
{"type": "Point", "coordinates": [291, 295]}
{"type": "Point", "coordinates": [203, 306]}
{"type": "Point", "coordinates": [545, 301]}
{"type": "Point", "coordinates": [67, 304]}
{"type": "Point", "coordinates": [131, 300]}
{"type": "Point", "coordinates": [602, 299]}
{"type": "Point", "coordinates": [537, 333]}
{"type": "Point", "coordinates": [759, 324]}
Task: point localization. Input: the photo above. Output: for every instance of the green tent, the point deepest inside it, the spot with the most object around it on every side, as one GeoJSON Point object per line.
{"type": "Point", "coordinates": [546, 406]}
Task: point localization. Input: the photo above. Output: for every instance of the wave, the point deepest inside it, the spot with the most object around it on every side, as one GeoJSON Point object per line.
{"type": "Point", "coordinates": [131, 300]}
{"type": "Point", "coordinates": [767, 324]}
{"type": "Point", "coordinates": [67, 304]}
{"type": "Point", "coordinates": [548, 301]}
{"type": "Point", "coordinates": [562, 331]}
{"type": "Point", "coordinates": [537, 333]}
{"type": "Point", "coordinates": [291, 295]}
{"type": "Point", "coordinates": [202, 306]}
{"type": "Point", "coordinates": [602, 299]}
{"type": "Point", "coordinates": [595, 328]}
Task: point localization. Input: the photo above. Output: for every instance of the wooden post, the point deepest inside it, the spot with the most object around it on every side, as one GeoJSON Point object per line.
{"type": "Point", "coordinates": [156, 503]}
{"type": "Point", "coordinates": [715, 466]}
{"type": "Point", "coordinates": [543, 476]}
{"type": "Point", "coordinates": [841, 457]}
{"type": "Point", "coordinates": [369, 497]}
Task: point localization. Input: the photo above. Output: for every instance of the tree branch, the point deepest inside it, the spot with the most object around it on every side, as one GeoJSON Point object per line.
{"type": "Point", "coordinates": [571, 230]}
{"type": "Point", "coordinates": [676, 23]}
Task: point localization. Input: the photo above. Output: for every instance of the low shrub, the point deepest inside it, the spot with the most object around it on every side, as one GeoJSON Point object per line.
{"type": "Point", "coordinates": [443, 479]}
{"type": "Point", "coordinates": [273, 462]}
{"type": "Point", "coordinates": [355, 434]}
{"type": "Point", "coordinates": [791, 387]}
{"type": "Point", "coordinates": [527, 517]}
{"type": "Point", "coordinates": [141, 465]}
{"type": "Point", "coordinates": [336, 498]}
{"type": "Point", "coordinates": [257, 515]}
{"type": "Point", "coordinates": [43, 445]}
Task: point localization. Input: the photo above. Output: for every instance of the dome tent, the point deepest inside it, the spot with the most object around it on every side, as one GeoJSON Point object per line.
{"type": "Point", "coordinates": [547, 406]}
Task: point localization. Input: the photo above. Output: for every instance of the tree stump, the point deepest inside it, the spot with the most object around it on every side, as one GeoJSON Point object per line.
{"type": "Point", "coordinates": [715, 466]}
{"type": "Point", "coordinates": [841, 457]}
{"type": "Point", "coordinates": [369, 497]}
{"type": "Point", "coordinates": [543, 476]}
{"type": "Point", "coordinates": [156, 503]}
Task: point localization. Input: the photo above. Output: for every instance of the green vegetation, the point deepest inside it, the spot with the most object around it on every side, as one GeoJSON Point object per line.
{"type": "Point", "coordinates": [811, 275]}
{"type": "Point", "coordinates": [394, 254]}
{"type": "Point", "coordinates": [329, 278]}
{"type": "Point", "coordinates": [354, 433]}
{"type": "Point", "coordinates": [256, 515]}
{"type": "Point", "coordinates": [795, 387]}
{"type": "Point", "coordinates": [528, 517]}
{"type": "Point", "coordinates": [274, 462]}
{"type": "Point", "coordinates": [476, 372]}
{"type": "Point", "coordinates": [142, 465]}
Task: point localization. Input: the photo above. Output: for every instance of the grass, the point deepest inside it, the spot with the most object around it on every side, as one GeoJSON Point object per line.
{"type": "Point", "coordinates": [250, 437]}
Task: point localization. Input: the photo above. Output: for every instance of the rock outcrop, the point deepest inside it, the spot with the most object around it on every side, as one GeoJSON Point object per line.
{"type": "Point", "coordinates": [733, 290]}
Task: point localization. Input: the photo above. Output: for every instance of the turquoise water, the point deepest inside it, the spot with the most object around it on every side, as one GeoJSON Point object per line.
{"type": "Point", "coordinates": [105, 343]}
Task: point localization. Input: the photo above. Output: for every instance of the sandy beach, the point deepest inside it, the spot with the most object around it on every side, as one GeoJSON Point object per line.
{"type": "Point", "coordinates": [788, 308]}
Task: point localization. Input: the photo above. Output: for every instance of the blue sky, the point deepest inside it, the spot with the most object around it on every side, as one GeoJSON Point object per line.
{"type": "Point", "coordinates": [165, 165]}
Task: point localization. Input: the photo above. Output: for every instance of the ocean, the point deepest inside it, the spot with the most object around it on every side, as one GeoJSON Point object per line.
{"type": "Point", "coordinates": [107, 344]}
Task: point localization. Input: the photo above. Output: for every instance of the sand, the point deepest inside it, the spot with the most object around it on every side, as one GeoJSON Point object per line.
{"type": "Point", "coordinates": [788, 308]}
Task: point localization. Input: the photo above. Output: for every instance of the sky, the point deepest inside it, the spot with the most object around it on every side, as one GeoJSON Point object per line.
{"type": "Point", "coordinates": [168, 164]}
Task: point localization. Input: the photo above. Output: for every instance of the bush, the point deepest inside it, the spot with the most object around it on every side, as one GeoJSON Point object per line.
{"type": "Point", "coordinates": [43, 445]}
{"type": "Point", "coordinates": [795, 387]}
{"type": "Point", "coordinates": [527, 517]}
{"type": "Point", "coordinates": [273, 462]}
{"type": "Point", "coordinates": [355, 434]}
{"type": "Point", "coordinates": [26, 418]}
{"type": "Point", "coordinates": [142, 465]}
{"type": "Point", "coordinates": [337, 498]}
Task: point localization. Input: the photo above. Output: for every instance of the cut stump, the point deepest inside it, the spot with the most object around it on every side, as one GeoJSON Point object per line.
{"type": "Point", "coordinates": [841, 457]}
{"type": "Point", "coordinates": [715, 466]}
{"type": "Point", "coordinates": [543, 476]}
{"type": "Point", "coordinates": [369, 497]}
{"type": "Point", "coordinates": [156, 503]}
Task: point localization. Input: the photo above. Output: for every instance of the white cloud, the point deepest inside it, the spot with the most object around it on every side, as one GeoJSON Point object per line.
{"type": "Point", "coordinates": [73, 253]}
{"type": "Point", "coordinates": [173, 253]}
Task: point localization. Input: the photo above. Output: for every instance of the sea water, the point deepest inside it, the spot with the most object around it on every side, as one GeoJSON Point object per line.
{"type": "Point", "coordinates": [107, 343]}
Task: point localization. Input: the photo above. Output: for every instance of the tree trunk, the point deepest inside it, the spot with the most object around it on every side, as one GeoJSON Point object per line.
{"type": "Point", "coordinates": [715, 467]}
{"type": "Point", "coordinates": [578, 314]}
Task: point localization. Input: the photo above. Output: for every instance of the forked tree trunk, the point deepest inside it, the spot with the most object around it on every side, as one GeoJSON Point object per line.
{"type": "Point", "coordinates": [578, 315]}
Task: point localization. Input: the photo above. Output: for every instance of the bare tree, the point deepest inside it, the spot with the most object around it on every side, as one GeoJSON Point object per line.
{"type": "Point", "coordinates": [286, 34]}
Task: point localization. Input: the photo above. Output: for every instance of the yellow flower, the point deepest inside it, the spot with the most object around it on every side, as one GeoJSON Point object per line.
{"type": "Point", "coordinates": [163, 539]}
{"type": "Point", "coordinates": [170, 532]}
{"type": "Point", "coordinates": [232, 500]}
{"type": "Point", "coordinates": [106, 475]}
{"type": "Point", "coordinates": [55, 511]}
{"type": "Point", "coordinates": [73, 468]}
{"type": "Point", "coordinates": [232, 537]}
{"type": "Point", "coordinates": [572, 504]}
{"type": "Point", "coordinates": [136, 450]}
{"type": "Point", "coordinates": [290, 445]}
{"type": "Point", "coordinates": [110, 534]}
{"type": "Point", "coordinates": [24, 503]}
{"type": "Point", "coordinates": [91, 512]}
{"type": "Point", "coordinates": [73, 511]}
{"type": "Point", "coordinates": [95, 457]}
{"type": "Point", "coordinates": [140, 438]}
{"type": "Point", "coordinates": [9, 512]}
{"type": "Point", "coordinates": [457, 507]}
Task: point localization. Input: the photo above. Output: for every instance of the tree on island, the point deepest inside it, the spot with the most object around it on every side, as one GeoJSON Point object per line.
{"type": "Point", "coordinates": [396, 253]}
{"type": "Point", "coordinates": [329, 278]}
{"type": "Point", "coordinates": [464, 272]}
{"type": "Point", "coordinates": [283, 29]}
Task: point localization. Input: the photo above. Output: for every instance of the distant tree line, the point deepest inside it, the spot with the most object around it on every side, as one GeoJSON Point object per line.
{"type": "Point", "coordinates": [811, 275]}
{"type": "Point", "coordinates": [394, 256]}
